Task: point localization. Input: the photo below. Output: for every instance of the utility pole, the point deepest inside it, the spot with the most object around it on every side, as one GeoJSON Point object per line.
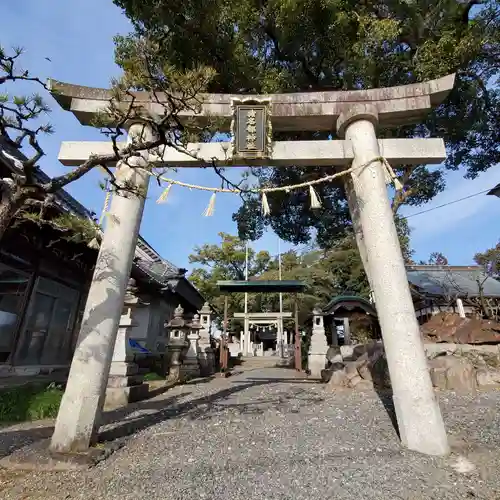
{"type": "Point", "coordinates": [281, 302]}
{"type": "Point", "coordinates": [246, 332]}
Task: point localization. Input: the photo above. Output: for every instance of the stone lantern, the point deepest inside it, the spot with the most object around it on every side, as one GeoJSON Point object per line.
{"type": "Point", "coordinates": [319, 347]}
{"type": "Point", "coordinates": [177, 330]}
{"type": "Point", "coordinates": [206, 355]}
{"type": "Point", "coordinates": [190, 367]}
{"type": "Point", "coordinates": [125, 382]}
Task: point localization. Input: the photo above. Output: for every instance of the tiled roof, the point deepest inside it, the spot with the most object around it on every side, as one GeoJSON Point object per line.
{"type": "Point", "coordinates": [459, 281]}
{"type": "Point", "coordinates": [158, 267]}
{"type": "Point", "coordinates": [62, 198]}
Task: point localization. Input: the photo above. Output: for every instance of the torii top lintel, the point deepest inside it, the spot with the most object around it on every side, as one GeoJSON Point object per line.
{"type": "Point", "coordinates": [300, 111]}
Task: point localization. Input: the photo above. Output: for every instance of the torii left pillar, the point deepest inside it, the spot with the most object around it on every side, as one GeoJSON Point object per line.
{"type": "Point", "coordinates": [79, 415]}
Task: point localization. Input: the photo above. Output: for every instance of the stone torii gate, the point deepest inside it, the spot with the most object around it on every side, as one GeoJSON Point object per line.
{"type": "Point", "coordinates": [354, 116]}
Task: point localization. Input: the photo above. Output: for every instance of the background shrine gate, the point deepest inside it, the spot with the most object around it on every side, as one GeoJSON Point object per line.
{"type": "Point", "coordinates": [354, 116]}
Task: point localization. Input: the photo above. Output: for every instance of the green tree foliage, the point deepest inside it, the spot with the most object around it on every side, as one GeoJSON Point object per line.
{"type": "Point", "coordinates": [435, 259]}
{"type": "Point", "coordinates": [28, 195]}
{"type": "Point", "coordinates": [490, 260]}
{"type": "Point", "coordinates": [225, 262]}
{"type": "Point", "coordinates": [314, 45]}
{"type": "Point", "coordinates": [325, 274]}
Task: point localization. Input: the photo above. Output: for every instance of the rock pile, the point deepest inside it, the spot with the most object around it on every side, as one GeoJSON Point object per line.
{"type": "Point", "coordinates": [463, 367]}
{"type": "Point", "coordinates": [448, 327]}
{"type": "Point", "coordinates": [360, 366]}
{"type": "Point", "coordinates": [458, 367]}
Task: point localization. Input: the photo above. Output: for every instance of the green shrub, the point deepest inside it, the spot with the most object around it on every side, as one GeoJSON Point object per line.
{"type": "Point", "coordinates": [30, 402]}
{"type": "Point", "coordinates": [151, 376]}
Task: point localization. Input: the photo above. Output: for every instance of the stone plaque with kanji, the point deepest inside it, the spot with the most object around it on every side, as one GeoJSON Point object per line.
{"type": "Point", "coordinates": [251, 129]}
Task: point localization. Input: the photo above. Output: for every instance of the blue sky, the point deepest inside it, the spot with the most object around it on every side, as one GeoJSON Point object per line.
{"type": "Point", "coordinates": [77, 36]}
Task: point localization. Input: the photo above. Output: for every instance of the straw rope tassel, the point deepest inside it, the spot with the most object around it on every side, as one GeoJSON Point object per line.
{"type": "Point", "coordinates": [94, 244]}
{"type": "Point", "coordinates": [105, 207]}
{"type": "Point", "coordinates": [163, 196]}
{"type": "Point", "coordinates": [265, 204]}
{"type": "Point", "coordinates": [391, 175]}
{"type": "Point", "coordinates": [315, 201]}
{"type": "Point", "coordinates": [211, 207]}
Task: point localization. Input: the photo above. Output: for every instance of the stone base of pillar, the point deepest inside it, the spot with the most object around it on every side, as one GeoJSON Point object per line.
{"type": "Point", "coordinates": [206, 360]}
{"type": "Point", "coordinates": [211, 360]}
{"type": "Point", "coordinates": [316, 362]}
{"type": "Point", "coordinates": [125, 385]}
{"type": "Point", "coordinates": [174, 373]}
{"type": "Point", "coordinates": [189, 369]}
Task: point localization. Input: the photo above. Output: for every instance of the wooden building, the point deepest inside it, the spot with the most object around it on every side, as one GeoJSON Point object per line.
{"type": "Point", "coordinates": [350, 319]}
{"type": "Point", "coordinates": [438, 289]}
{"type": "Point", "coordinates": [44, 280]}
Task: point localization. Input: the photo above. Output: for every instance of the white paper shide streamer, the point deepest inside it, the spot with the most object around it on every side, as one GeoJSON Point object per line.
{"type": "Point", "coordinates": [390, 176]}
{"type": "Point", "coordinates": [209, 211]}
{"type": "Point", "coordinates": [164, 195]}
{"type": "Point", "coordinates": [265, 204]}
{"type": "Point", "coordinates": [315, 201]}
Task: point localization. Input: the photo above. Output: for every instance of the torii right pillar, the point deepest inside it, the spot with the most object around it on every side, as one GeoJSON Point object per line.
{"type": "Point", "coordinates": [419, 418]}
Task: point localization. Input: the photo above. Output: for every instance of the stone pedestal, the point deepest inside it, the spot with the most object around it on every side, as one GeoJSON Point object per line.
{"type": "Point", "coordinates": [419, 418]}
{"type": "Point", "coordinates": [318, 348]}
{"type": "Point", "coordinates": [175, 361]}
{"type": "Point", "coordinates": [125, 384]}
{"type": "Point", "coordinates": [206, 357]}
{"type": "Point", "coordinates": [190, 367]}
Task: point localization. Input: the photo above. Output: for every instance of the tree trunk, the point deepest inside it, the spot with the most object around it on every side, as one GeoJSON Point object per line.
{"type": "Point", "coordinates": [9, 206]}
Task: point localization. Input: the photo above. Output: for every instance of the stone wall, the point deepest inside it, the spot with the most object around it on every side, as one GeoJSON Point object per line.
{"type": "Point", "coordinates": [458, 367]}
{"type": "Point", "coordinates": [463, 367]}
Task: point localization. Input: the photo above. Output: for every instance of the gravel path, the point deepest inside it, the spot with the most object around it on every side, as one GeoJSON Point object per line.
{"type": "Point", "coordinates": [268, 434]}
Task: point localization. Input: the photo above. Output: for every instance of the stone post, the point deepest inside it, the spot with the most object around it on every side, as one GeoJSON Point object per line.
{"type": "Point", "coordinates": [177, 329]}
{"type": "Point", "coordinates": [318, 348]}
{"type": "Point", "coordinates": [206, 355]}
{"type": "Point", "coordinates": [125, 384]}
{"type": "Point", "coordinates": [248, 344]}
{"type": "Point", "coordinates": [81, 406]}
{"type": "Point", "coordinates": [419, 418]}
{"type": "Point", "coordinates": [242, 342]}
{"type": "Point", "coordinates": [347, 331]}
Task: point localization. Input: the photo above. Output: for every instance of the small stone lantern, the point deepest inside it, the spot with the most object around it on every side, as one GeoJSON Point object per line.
{"type": "Point", "coordinates": [177, 330]}
{"type": "Point", "coordinates": [206, 356]}
{"type": "Point", "coordinates": [318, 347]}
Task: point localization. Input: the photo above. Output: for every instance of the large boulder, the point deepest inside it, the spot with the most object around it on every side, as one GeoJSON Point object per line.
{"type": "Point", "coordinates": [458, 367]}
{"type": "Point", "coordinates": [333, 355]}
{"type": "Point", "coordinates": [380, 373]}
{"type": "Point", "coordinates": [338, 379]}
{"type": "Point", "coordinates": [461, 376]}
{"type": "Point", "coordinates": [486, 377]}
{"type": "Point", "coordinates": [363, 365]}
{"type": "Point", "coordinates": [364, 372]}
{"type": "Point", "coordinates": [327, 373]}
{"type": "Point", "coordinates": [448, 327]}
{"type": "Point", "coordinates": [442, 349]}
{"type": "Point", "coordinates": [438, 377]}
{"type": "Point", "coordinates": [452, 372]}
